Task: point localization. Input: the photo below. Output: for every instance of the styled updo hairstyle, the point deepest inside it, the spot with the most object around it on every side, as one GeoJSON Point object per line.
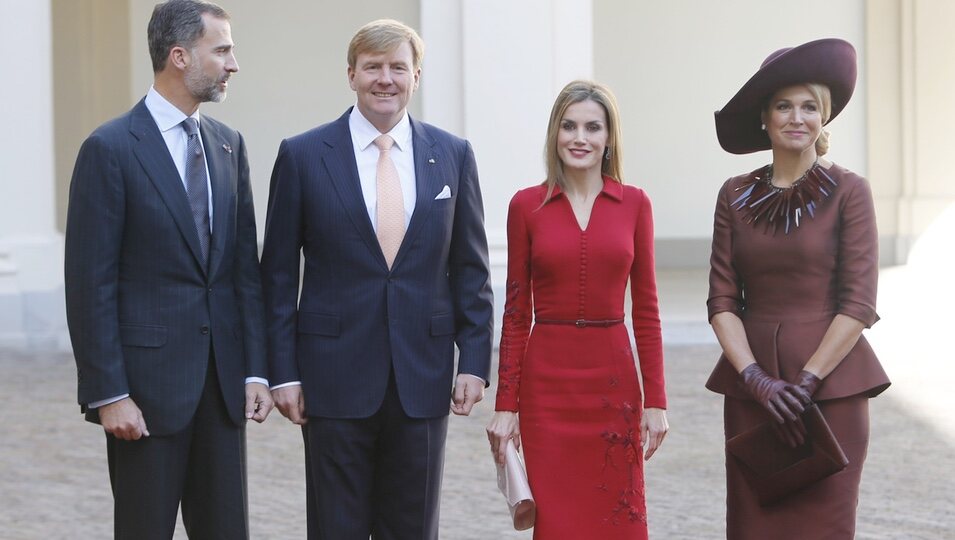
{"type": "Point", "coordinates": [824, 98]}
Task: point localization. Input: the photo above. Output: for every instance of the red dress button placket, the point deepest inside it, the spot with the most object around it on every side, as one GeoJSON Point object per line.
{"type": "Point", "coordinates": [582, 283]}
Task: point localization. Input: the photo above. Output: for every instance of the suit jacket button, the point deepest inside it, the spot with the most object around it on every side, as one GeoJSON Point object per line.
{"type": "Point", "coordinates": [203, 330]}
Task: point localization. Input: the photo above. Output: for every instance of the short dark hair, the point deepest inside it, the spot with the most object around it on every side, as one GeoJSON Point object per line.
{"type": "Point", "coordinates": [177, 23]}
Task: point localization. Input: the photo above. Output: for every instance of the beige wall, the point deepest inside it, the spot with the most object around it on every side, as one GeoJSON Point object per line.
{"type": "Point", "coordinates": [292, 66]}
{"type": "Point", "coordinates": [910, 114]}
{"type": "Point", "coordinates": [90, 79]}
{"type": "Point", "coordinates": [673, 63]}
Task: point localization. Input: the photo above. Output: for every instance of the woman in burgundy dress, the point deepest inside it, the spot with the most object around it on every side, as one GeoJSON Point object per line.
{"type": "Point", "coordinates": [792, 285]}
{"type": "Point", "coordinates": [568, 388]}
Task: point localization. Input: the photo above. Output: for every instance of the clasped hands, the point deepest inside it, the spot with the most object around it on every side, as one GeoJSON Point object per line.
{"type": "Point", "coordinates": [784, 401]}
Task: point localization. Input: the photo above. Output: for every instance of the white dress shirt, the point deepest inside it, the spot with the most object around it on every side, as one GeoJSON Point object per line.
{"type": "Point", "coordinates": [169, 119]}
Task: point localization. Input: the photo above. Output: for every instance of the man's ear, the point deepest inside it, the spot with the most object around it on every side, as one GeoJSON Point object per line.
{"type": "Point", "coordinates": [179, 57]}
{"type": "Point", "coordinates": [351, 77]}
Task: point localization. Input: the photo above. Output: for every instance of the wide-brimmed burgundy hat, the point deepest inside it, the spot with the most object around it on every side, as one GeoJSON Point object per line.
{"type": "Point", "coordinates": [831, 62]}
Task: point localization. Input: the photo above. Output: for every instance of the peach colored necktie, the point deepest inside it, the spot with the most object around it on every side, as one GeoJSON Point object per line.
{"type": "Point", "coordinates": [390, 213]}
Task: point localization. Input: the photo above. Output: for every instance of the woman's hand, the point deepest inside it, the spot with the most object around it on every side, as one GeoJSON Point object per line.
{"type": "Point", "coordinates": [653, 428]}
{"type": "Point", "coordinates": [778, 397]}
{"type": "Point", "coordinates": [503, 426]}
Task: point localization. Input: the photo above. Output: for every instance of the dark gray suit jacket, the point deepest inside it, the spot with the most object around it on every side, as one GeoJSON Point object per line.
{"type": "Point", "coordinates": [143, 312]}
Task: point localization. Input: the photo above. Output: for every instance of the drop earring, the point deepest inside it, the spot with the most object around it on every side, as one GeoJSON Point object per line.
{"type": "Point", "coordinates": [762, 127]}
{"type": "Point", "coordinates": [607, 153]}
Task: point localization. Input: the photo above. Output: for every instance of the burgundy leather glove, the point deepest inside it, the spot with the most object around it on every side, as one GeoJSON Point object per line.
{"type": "Point", "coordinates": [806, 385]}
{"type": "Point", "coordinates": [777, 396]}
{"type": "Point", "coordinates": [791, 433]}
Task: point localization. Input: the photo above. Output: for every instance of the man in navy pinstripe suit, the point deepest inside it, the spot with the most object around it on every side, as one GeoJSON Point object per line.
{"type": "Point", "coordinates": [363, 359]}
{"type": "Point", "coordinates": [163, 293]}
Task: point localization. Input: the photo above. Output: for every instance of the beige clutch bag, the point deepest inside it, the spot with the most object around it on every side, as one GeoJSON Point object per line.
{"type": "Point", "coordinates": [512, 481]}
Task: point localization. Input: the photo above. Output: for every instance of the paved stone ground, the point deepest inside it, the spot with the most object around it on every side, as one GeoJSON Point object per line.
{"type": "Point", "coordinates": [53, 479]}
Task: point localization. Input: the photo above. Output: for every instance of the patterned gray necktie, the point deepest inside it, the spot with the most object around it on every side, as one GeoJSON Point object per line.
{"type": "Point", "coordinates": [197, 188]}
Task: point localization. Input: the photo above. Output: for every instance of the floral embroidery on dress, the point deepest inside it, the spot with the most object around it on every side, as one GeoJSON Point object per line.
{"type": "Point", "coordinates": [516, 322]}
{"type": "Point", "coordinates": [630, 504]}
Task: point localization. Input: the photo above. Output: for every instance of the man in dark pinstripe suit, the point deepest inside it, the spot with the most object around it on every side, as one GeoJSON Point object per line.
{"type": "Point", "coordinates": [364, 358]}
{"type": "Point", "coordinates": [163, 294]}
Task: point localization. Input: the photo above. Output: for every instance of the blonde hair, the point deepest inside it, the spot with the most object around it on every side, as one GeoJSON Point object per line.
{"type": "Point", "coordinates": [824, 98]}
{"type": "Point", "coordinates": [575, 92]}
{"type": "Point", "coordinates": [385, 35]}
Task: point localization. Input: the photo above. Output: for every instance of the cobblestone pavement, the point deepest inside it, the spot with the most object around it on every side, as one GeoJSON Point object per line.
{"type": "Point", "coordinates": [53, 479]}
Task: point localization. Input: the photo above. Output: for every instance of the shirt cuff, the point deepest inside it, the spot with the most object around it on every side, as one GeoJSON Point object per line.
{"type": "Point", "coordinates": [100, 403]}
{"type": "Point", "coordinates": [259, 380]}
{"type": "Point", "coordinates": [283, 385]}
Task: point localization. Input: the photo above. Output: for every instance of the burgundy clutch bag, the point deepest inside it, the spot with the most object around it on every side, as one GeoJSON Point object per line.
{"type": "Point", "coordinates": [774, 470]}
{"type": "Point", "coordinates": [512, 481]}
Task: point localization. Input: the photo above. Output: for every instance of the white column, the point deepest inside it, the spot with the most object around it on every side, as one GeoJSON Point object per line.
{"type": "Point", "coordinates": [31, 250]}
{"type": "Point", "coordinates": [491, 72]}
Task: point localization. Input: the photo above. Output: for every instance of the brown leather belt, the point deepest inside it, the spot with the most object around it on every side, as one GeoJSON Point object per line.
{"type": "Point", "coordinates": [581, 323]}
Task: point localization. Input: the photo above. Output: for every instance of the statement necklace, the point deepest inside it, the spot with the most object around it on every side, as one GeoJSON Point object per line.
{"type": "Point", "coordinates": [769, 205]}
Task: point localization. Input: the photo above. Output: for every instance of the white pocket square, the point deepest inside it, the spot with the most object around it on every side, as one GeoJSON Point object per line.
{"type": "Point", "coordinates": [445, 194]}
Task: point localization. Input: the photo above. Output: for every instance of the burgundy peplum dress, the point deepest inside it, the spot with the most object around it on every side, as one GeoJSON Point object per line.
{"type": "Point", "coordinates": [787, 288]}
{"type": "Point", "coordinates": [575, 386]}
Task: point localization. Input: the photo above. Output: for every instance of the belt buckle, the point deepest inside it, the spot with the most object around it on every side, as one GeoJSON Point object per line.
{"type": "Point", "coordinates": [580, 323]}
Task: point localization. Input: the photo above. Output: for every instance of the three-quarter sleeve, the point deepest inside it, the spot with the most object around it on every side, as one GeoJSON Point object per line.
{"type": "Point", "coordinates": [646, 308]}
{"type": "Point", "coordinates": [517, 308]}
{"type": "Point", "coordinates": [726, 292]}
{"type": "Point", "coordinates": [857, 270]}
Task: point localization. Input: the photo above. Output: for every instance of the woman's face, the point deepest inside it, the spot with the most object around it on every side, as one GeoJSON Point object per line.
{"type": "Point", "coordinates": [582, 136]}
{"type": "Point", "coordinates": [793, 119]}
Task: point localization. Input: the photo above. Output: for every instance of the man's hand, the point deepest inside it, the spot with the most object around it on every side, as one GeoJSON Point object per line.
{"type": "Point", "coordinates": [123, 420]}
{"type": "Point", "coordinates": [258, 402]}
{"type": "Point", "coordinates": [468, 390]}
{"type": "Point", "coordinates": [291, 403]}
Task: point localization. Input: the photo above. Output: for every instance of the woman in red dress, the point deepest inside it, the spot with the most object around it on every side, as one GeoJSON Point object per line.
{"type": "Point", "coordinates": [792, 285]}
{"type": "Point", "coordinates": [568, 388]}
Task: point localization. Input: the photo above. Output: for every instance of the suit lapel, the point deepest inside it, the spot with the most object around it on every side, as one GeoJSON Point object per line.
{"type": "Point", "coordinates": [338, 155]}
{"type": "Point", "coordinates": [151, 151]}
{"type": "Point", "coordinates": [221, 171]}
{"type": "Point", "coordinates": [427, 183]}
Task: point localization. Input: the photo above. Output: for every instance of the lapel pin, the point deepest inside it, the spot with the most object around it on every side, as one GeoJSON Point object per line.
{"type": "Point", "coordinates": [227, 148]}
{"type": "Point", "coordinates": [431, 161]}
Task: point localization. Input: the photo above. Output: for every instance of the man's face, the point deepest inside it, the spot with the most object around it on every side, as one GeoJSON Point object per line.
{"type": "Point", "coordinates": [384, 83]}
{"type": "Point", "coordinates": [212, 61]}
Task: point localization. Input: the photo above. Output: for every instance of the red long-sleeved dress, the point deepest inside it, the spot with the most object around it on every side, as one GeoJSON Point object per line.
{"type": "Point", "coordinates": [574, 386]}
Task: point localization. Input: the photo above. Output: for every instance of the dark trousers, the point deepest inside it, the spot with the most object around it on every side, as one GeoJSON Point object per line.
{"type": "Point", "coordinates": [377, 476]}
{"type": "Point", "coordinates": [202, 466]}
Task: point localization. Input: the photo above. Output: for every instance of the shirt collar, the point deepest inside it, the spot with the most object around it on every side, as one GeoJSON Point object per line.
{"type": "Point", "coordinates": [612, 189]}
{"type": "Point", "coordinates": [363, 133]}
{"type": "Point", "coordinates": [165, 114]}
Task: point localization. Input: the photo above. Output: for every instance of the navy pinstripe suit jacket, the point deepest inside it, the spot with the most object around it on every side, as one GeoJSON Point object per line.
{"type": "Point", "coordinates": [355, 319]}
{"type": "Point", "coordinates": [142, 311]}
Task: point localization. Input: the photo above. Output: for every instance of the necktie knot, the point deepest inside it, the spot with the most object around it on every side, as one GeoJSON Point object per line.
{"type": "Point", "coordinates": [191, 125]}
{"type": "Point", "coordinates": [384, 142]}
